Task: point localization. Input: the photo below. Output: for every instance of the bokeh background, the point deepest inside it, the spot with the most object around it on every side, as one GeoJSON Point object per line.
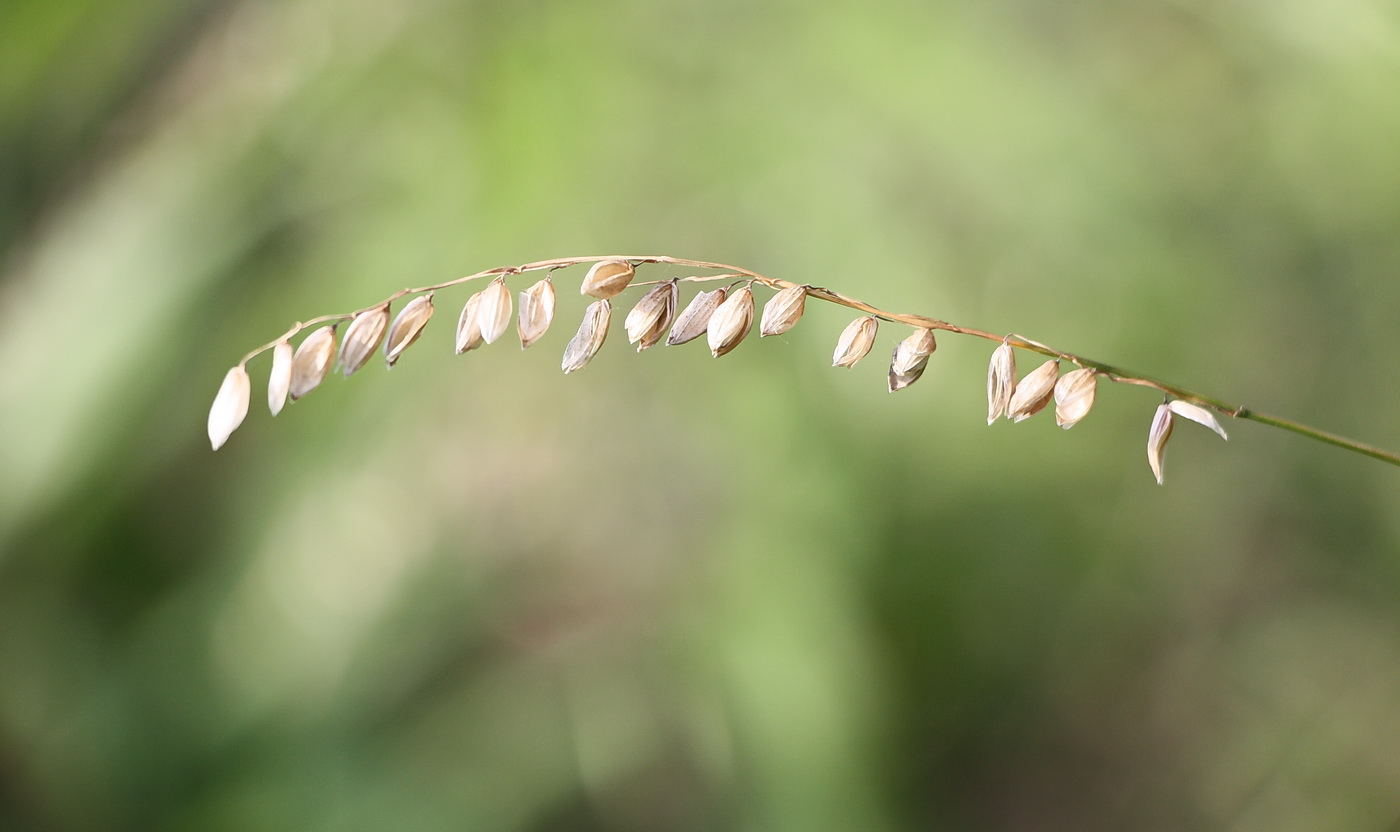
{"type": "Point", "coordinates": [673, 592]}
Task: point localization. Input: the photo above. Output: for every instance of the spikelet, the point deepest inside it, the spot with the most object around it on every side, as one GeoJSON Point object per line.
{"type": "Point", "coordinates": [407, 326]}
{"type": "Point", "coordinates": [910, 357]}
{"type": "Point", "coordinates": [652, 315]}
{"type": "Point", "coordinates": [855, 341]}
{"type": "Point", "coordinates": [783, 311]}
{"type": "Point", "coordinates": [695, 318]}
{"type": "Point", "coordinates": [1197, 414]}
{"type": "Point", "coordinates": [590, 336]}
{"type": "Point", "coordinates": [730, 322]}
{"type": "Point", "coordinates": [1001, 381]}
{"type": "Point", "coordinates": [281, 378]}
{"type": "Point", "coordinates": [1034, 391]}
{"type": "Point", "coordinates": [362, 338]}
{"type": "Point", "coordinates": [312, 361]}
{"type": "Point", "coordinates": [1074, 396]}
{"type": "Point", "coordinates": [607, 279]}
{"type": "Point", "coordinates": [468, 329]}
{"type": "Point", "coordinates": [1157, 438]}
{"type": "Point", "coordinates": [230, 405]}
{"type": "Point", "coordinates": [493, 315]}
{"type": "Point", "coordinates": [536, 312]}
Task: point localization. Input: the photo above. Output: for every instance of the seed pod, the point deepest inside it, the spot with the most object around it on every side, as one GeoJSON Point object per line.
{"type": "Point", "coordinates": [281, 378]}
{"type": "Point", "coordinates": [855, 341]}
{"type": "Point", "coordinates": [1034, 391]}
{"type": "Point", "coordinates": [1157, 439]}
{"type": "Point", "coordinates": [607, 279]}
{"type": "Point", "coordinates": [1074, 396]}
{"type": "Point", "coordinates": [408, 325]}
{"type": "Point", "coordinates": [362, 338]}
{"type": "Point", "coordinates": [910, 357]}
{"type": "Point", "coordinates": [493, 315]}
{"type": "Point", "coordinates": [230, 406]}
{"type": "Point", "coordinates": [695, 318]}
{"type": "Point", "coordinates": [783, 311]}
{"type": "Point", "coordinates": [1197, 414]}
{"type": "Point", "coordinates": [468, 329]}
{"type": "Point", "coordinates": [536, 312]}
{"type": "Point", "coordinates": [648, 320]}
{"type": "Point", "coordinates": [730, 322]}
{"type": "Point", "coordinates": [590, 336]}
{"type": "Point", "coordinates": [1001, 381]}
{"type": "Point", "coordinates": [312, 361]}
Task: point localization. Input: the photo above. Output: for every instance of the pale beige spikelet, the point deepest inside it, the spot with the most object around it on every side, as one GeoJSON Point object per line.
{"type": "Point", "coordinates": [280, 381]}
{"type": "Point", "coordinates": [1157, 437]}
{"type": "Point", "coordinates": [493, 315]}
{"type": "Point", "coordinates": [730, 323]}
{"type": "Point", "coordinates": [783, 311]}
{"type": "Point", "coordinates": [1034, 391]}
{"type": "Point", "coordinates": [362, 338]}
{"type": "Point", "coordinates": [910, 357]}
{"type": "Point", "coordinates": [536, 312]}
{"type": "Point", "coordinates": [312, 362]}
{"type": "Point", "coordinates": [230, 405]}
{"type": "Point", "coordinates": [589, 338]}
{"type": "Point", "coordinates": [468, 328]}
{"type": "Point", "coordinates": [855, 342]}
{"type": "Point", "coordinates": [694, 320]}
{"type": "Point", "coordinates": [1001, 381]}
{"type": "Point", "coordinates": [407, 326]}
{"type": "Point", "coordinates": [607, 279]}
{"type": "Point", "coordinates": [1197, 414]}
{"type": "Point", "coordinates": [652, 315]}
{"type": "Point", "coordinates": [1074, 396]}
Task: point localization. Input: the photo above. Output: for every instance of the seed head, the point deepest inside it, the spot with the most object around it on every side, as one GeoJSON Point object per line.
{"type": "Point", "coordinates": [362, 338]}
{"type": "Point", "coordinates": [1034, 391]}
{"type": "Point", "coordinates": [230, 406]}
{"type": "Point", "coordinates": [910, 357]}
{"type": "Point", "coordinates": [493, 315]}
{"type": "Point", "coordinates": [1197, 414]}
{"type": "Point", "coordinates": [695, 318]}
{"type": "Point", "coordinates": [468, 329]}
{"type": "Point", "coordinates": [1074, 396]}
{"type": "Point", "coordinates": [649, 319]}
{"type": "Point", "coordinates": [1001, 381]}
{"type": "Point", "coordinates": [730, 322]}
{"type": "Point", "coordinates": [407, 327]}
{"type": "Point", "coordinates": [1157, 438]}
{"type": "Point", "coordinates": [536, 312]}
{"type": "Point", "coordinates": [312, 361]}
{"type": "Point", "coordinates": [607, 279]}
{"type": "Point", "coordinates": [855, 341]}
{"type": "Point", "coordinates": [281, 378]}
{"type": "Point", "coordinates": [590, 336]}
{"type": "Point", "coordinates": [783, 311]}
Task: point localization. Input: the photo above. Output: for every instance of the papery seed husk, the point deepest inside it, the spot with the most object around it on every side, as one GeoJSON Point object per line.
{"type": "Point", "coordinates": [407, 326]}
{"type": "Point", "coordinates": [855, 341]}
{"type": "Point", "coordinates": [536, 312]}
{"type": "Point", "coordinates": [589, 338]}
{"type": "Point", "coordinates": [362, 338]}
{"type": "Point", "coordinates": [1001, 381]}
{"type": "Point", "coordinates": [493, 315]}
{"type": "Point", "coordinates": [280, 380]}
{"type": "Point", "coordinates": [898, 381]}
{"type": "Point", "coordinates": [607, 279]}
{"type": "Point", "coordinates": [1074, 396]}
{"type": "Point", "coordinates": [312, 361]}
{"type": "Point", "coordinates": [730, 323]}
{"type": "Point", "coordinates": [1157, 437]}
{"type": "Point", "coordinates": [230, 405]}
{"type": "Point", "coordinates": [1033, 392]}
{"type": "Point", "coordinates": [694, 320]}
{"type": "Point", "coordinates": [653, 336]}
{"type": "Point", "coordinates": [1197, 414]}
{"type": "Point", "coordinates": [468, 329]}
{"type": "Point", "coordinates": [911, 354]}
{"type": "Point", "coordinates": [783, 311]}
{"type": "Point", "coordinates": [654, 311]}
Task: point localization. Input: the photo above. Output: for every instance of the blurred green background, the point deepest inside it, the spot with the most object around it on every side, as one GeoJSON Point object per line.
{"type": "Point", "coordinates": [670, 592]}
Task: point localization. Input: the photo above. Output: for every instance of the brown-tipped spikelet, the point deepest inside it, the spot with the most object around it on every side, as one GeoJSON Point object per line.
{"type": "Point", "coordinates": [493, 315]}
{"type": "Point", "coordinates": [730, 322]}
{"type": "Point", "coordinates": [407, 326]}
{"type": "Point", "coordinates": [280, 381]}
{"type": "Point", "coordinates": [468, 329]}
{"type": "Point", "coordinates": [910, 357]}
{"type": "Point", "coordinates": [607, 279]}
{"type": "Point", "coordinates": [536, 312]}
{"type": "Point", "coordinates": [362, 338]}
{"type": "Point", "coordinates": [1157, 437]}
{"type": "Point", "coordinates": [695, 318]}
{"type": "Point", "coordinates": [1074, 396]}
{"type": "Point", "coordinates": [1034, 391]}
{"type": "Point", "coordinates": [1001, 381]}
{"type": "Point", "coordinates": [652, 315]}
{"type": "Point", "coordinates": [855, 341]}
{"type": "Point", "coordinates": [230, 405]}
{"type": "Point", "coordinates": [312, 361]}
{"type": "Point", "coordinates": [590, 336]}
{"type": "Point", "coordinates": [783, 311]}
{"type": "Point", "coordinates": [1197, 414]}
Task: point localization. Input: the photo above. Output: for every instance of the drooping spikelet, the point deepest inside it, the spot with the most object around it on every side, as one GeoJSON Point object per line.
{"type": "Point", "coordinates": [1074, 396]}
{"type": "Point", "coordinates": [607, 279]}
{"type": "Point", "coordinates": [909, 359]}
{"type": "Point", "coordinates": [312, 361]}
{"type": "Point", "coordinates": [280, 381]}
{"type": "Point", "coordinates": [783, 311]}
{"type": "Point", "coordinates": [855, 341]}
{"type": "Point", "coordinates": [536, 312]}
{"type": "Point", "coordinates": [1197, 414]}
{"type": "Point", "coordinates": [1034, 391]}
{"type": "Point", "coordinates": [730, 323]}
{"type": "Point", "coordinates": [589, 338]}
{"type": "Point", "coordinates": [362, 338]}
{"type": "Point", "coordinates": [493, 313]}
{"type": "Point", "coordinates": [230, 405]}
{"type": "Point", "coordinates": [695, 318]}
{"type": "Point", "coordinates": [1001, 381]}
{"type": "Point", "coordinates": [407, 326]}
{"type": "Point", "coordinates": [1157, 437]}
{"type": "Point", "coordinates": [468, 328]}
{"type": "Point", "coordinates": [652, 315]}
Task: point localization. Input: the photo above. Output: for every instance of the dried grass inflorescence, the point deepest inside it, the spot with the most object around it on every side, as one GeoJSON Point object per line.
{"type": "Point", "coordinates": [910, 357]}
{"type": "Point", "coordinates": [855, 341]}
{"type": "Point", "coordinates": [730, 323]}
{"type": "Point", "coordinates": [536, 312]}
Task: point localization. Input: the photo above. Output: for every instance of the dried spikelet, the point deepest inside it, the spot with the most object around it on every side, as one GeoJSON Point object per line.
{"type": "Point", "coordinates": [855, 341]}
{"type": "Point", "coordinates": [536, 312]}
{"type": "Point", "coordinates": [407, 326]}
{"type": "Point", "coordinates": [493, 315]}
{"type": "Point", "coordinates": [783, 311]}
{"type": "Point", "coordinates": [652, 315]}
{"type": "Point", "coordinates": [730, 323]}
{"type": "Point", "coordinates": [230, 406]}
{"type": "Point", "coordinates": [1157, 437]}
{"type": "Point", "coordinates": [362, 338]}
{"type": "Point", "coordinates": [312, 361]}
{"type": "Point", "coordinates": [1074, 396]}
{"type": "Point", "coordinates": [1001, 381]}
{"type": "Point", "coordinates": [607, 279]}
{"type": "Point", "coordinates": [695, 318]}
{"type": "Point", "coordinates": [280, 381]}
{"type": "Point", "coordinates": [909, 359]}
{"type": "Point", "coordinates": [590, 336]}
{"type": "Point", "coordinates": [468, 330]}
{"type": "Point", "coordinates": [1197, 414]}
{"type": "Point", "coordinates": [1034, 391]}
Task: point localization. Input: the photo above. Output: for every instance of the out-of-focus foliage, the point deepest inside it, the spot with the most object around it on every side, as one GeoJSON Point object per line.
{"type": "Point", "coordinates": [670, 592]}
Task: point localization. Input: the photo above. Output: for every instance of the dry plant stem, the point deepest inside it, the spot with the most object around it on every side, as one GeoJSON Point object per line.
{"type": "Point", "coordinates": [1109, 371]}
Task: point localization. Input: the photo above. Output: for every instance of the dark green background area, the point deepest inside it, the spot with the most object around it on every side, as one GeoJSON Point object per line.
{"type": "Point", "coordinates": [668, 591]}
